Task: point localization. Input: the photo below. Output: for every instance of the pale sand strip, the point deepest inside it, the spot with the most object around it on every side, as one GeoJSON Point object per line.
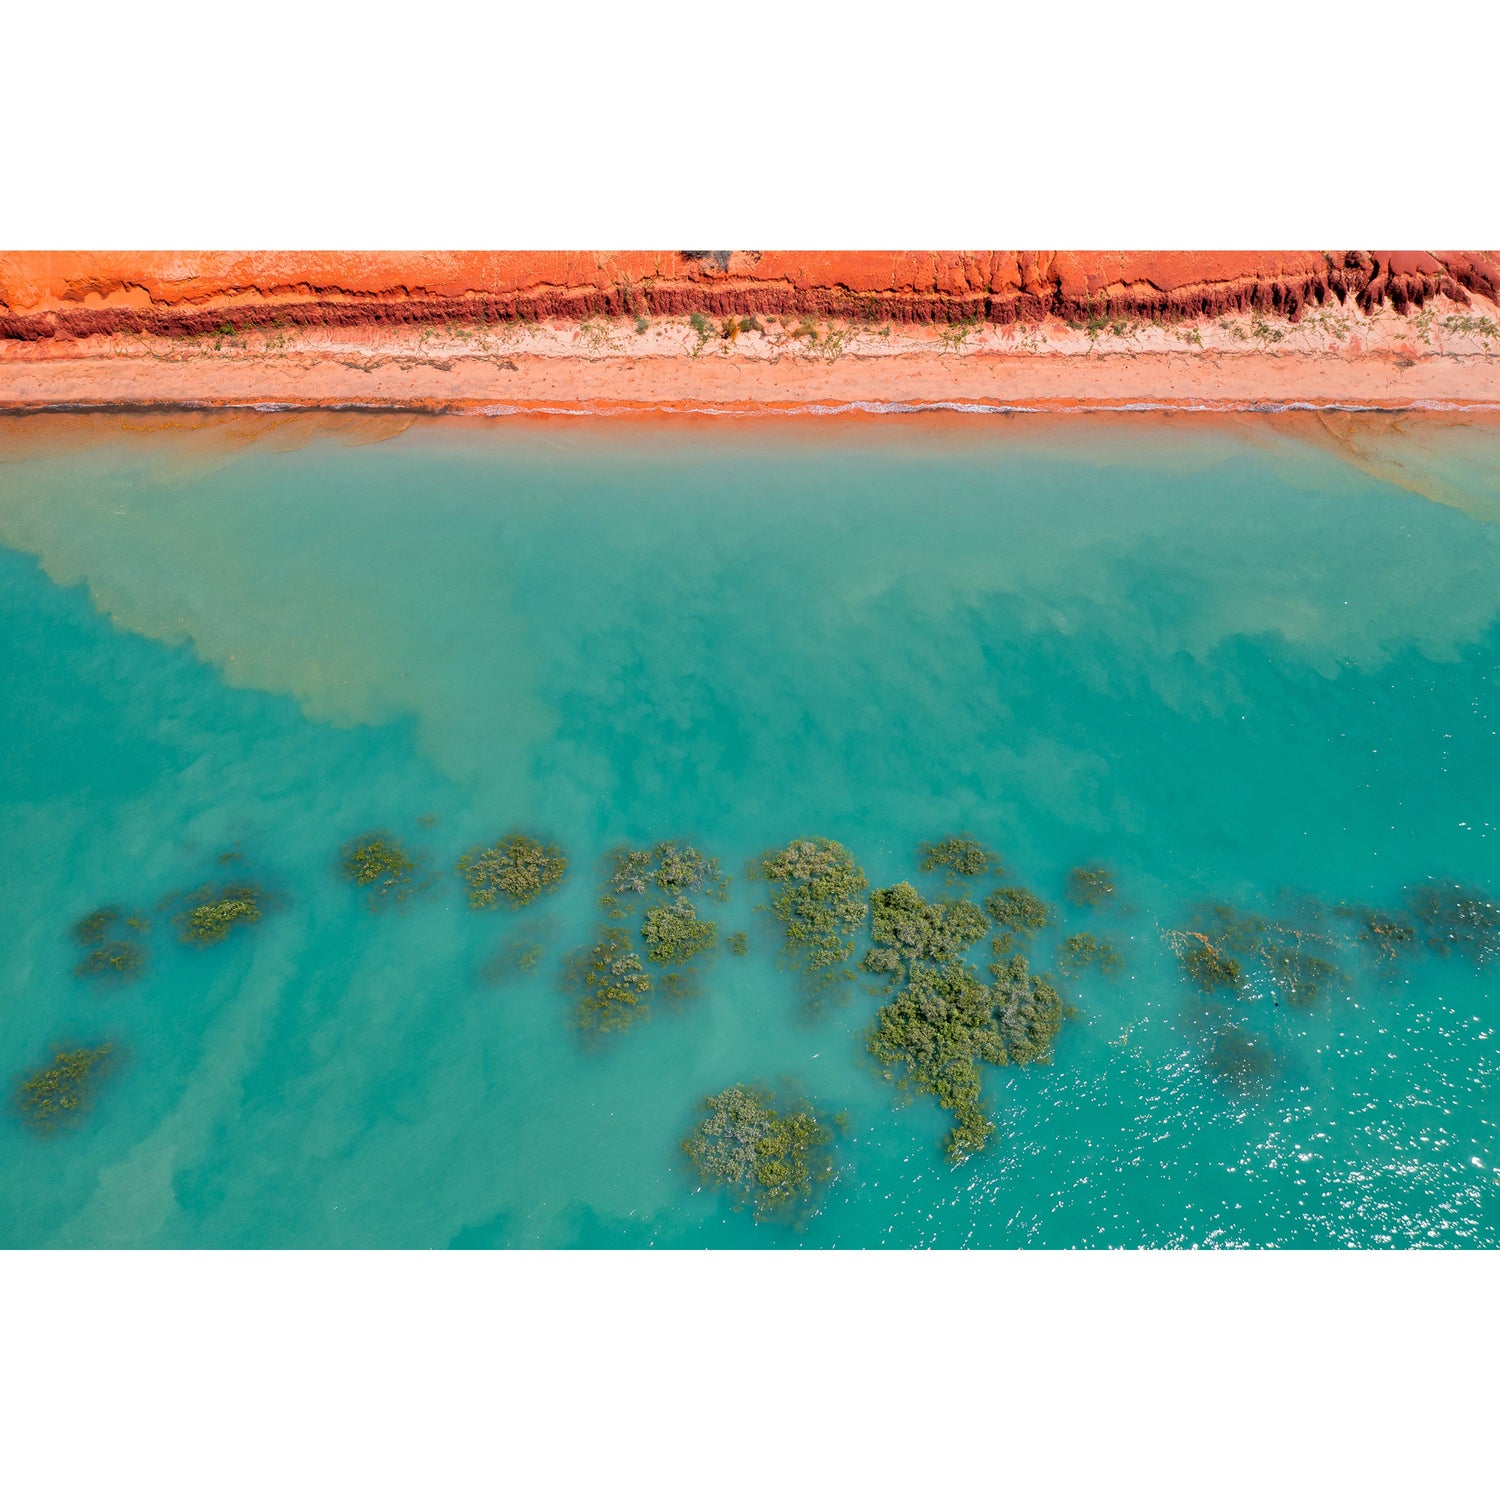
{"type": "Point", "coordinates": [1444, 359]}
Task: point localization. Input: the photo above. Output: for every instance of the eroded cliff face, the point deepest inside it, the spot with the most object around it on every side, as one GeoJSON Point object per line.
{"type": "Point", "coordinates": [75, 294]}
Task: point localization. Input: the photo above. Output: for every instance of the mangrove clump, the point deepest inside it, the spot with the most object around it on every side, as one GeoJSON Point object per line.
{"type": "Point", "coordinates": [909, 930]}
{"type": "Point", "coordinates": [1083, 951]}
{"type": "Point", "coordinates": [739, 944]}
{"type": "Point", "coordinates": [674, 934]}
{"type": "Point", "coordinates": [1230, 930]}
{"type": "Point", "coordinates": [1090, 885]}
{"type": "Point", "coordinates": [931, 1038]}
{"type": "Point", "coordinates": [675, 868]}
{"type": "Point", "coordinates": [58, 1093]}
{"type": "Point", "coordinates": [379, 866]}
{"type": "Point", "coordinates": [1018, 913]}
{"type": "Point", "coordinates": [612, 982]}
{"type": "Point", "coordinates": [117, 960]}
{"type": "Point", "coordinates": [519, 956]}
{"type": "Point", "coordinates": [1030, 1011]}
{"type": "Point", "coordinates": [212, 914]}
{"type": "Point", "coordinates": [820, 902]}
{"type": "Point", "coordinates": [519, 867]}
{"type": "Point", "coordinates": [960, 855]}
{"type": "Point", "coordinates": [115, 952]}
{"type": "Point", "coordinates": [771, 1158]}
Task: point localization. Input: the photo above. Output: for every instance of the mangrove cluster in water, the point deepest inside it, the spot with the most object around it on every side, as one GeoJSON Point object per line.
{"type": "Point", "coordinates": [959, 855]}
{"type": "Point", "coordinates": [769, 1157]}
{"type": "Point", "coordinates": [58, 1093]}
{"type": "Point", "coordinates": [519, 867]}
{"type": "Point", "coordinates": [211, 914]}
{"type": "Point", "coordinates": [908, 930]}
{"type": "Point", "coordinates": [378, 865]}
{"type": "Point", "coordinates": [611, 981]}
{"type": "Point", "coordinates": [115, 951]}
{"type": "Point", "coordinates": [819, 899]}
{"type": "Point", "coordinates": [1083, 951]}
{"type": "Point", "coordinates": [676, 934]}
{"type": "Point", "coordinates": [1018, 915]}
{"type": "Point", "coordinates": [520, 955]}
{"type": "Point", "coordinates": [932, 1037]}
{"type": "Point", "coordinates": [676, 868]}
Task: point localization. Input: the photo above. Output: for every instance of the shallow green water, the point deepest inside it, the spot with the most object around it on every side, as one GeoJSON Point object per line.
{"type": "Point", "coordinates": [1226, 664]}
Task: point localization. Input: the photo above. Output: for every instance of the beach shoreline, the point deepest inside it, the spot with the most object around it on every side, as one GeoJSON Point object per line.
{"type": "Point", "coordinates": [391, 373]}
{"type": "Point", "coordinates": [993, 332]}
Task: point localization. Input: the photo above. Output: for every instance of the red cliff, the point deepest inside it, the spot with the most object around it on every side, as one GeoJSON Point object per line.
{"type": "Point", "coordinates": [73, 294]}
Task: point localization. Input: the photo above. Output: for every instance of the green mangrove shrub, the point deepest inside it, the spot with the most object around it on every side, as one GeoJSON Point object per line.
{"type": "Point", "coordinates": [1083, 951]}
{"type": "Point", "coordinates": [675, 934]}
{"type": "Point", "coordinates": [519, 867]}
{"type": "Point", "coordinates": [124, 959]}
{"type": "Point", "coordinates": [212, 913]}
{"type": "Point", "coordinates": [909, 930]}
{"type": "Point", "coordinates": [611, 981]}
{"type": "Point", "coordinates": [1230, 930]}
{"type": "Point", "coordinates": [932, 1037]}
{"type": "Point", "coordinates": [676, 868]}
{"type": "Point", "coordinates": [1220, 941]}
{"type": "Point", "coordinates": [1018, 914]}
{"type": "Point", "coordinates": [378, 865]}
{"type": "Point", "coordinates": [960, 855]}
{"type": "Point", "coordinates": [739, 944]}
{"type": "Point", "coordinates": [59, 1092]}
{"type": "Point", "coordinates": [772, 1158]}
{"type": "Point", "coordinates": [112, 939]}
{"type": "Point", "coordinates": [819, 899]}
{"type": "Point", "coordinates": [1029, 1009]}
{"type": "Point", "coordinates": [519, 956]}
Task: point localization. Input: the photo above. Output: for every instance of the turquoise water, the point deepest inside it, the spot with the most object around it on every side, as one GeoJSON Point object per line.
{"type": "Point", "coordinates": [1222, 660]}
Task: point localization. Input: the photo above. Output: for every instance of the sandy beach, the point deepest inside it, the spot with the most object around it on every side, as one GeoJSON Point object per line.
{"type": "Point", "coordinates": [79, 333]}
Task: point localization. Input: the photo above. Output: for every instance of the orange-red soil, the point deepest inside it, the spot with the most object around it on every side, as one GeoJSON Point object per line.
{"type": "Point", "coordinates": [583, 329]}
